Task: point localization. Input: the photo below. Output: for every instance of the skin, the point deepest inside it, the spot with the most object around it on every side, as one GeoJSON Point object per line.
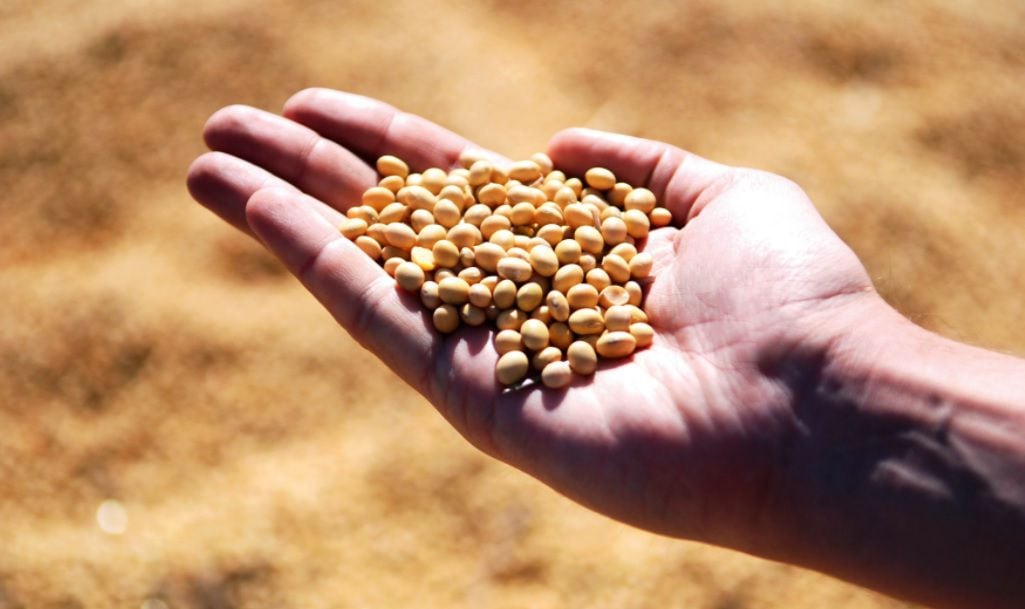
{"type": "Point", "coordinates": [783, 410]}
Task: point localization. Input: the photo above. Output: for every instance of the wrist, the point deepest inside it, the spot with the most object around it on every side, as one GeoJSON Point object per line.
{"type": "Point", "coordinates": [904, 471]}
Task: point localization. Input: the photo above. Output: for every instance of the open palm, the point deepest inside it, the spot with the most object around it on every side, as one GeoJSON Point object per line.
{"type": "Point", "coordinates": [687, 437]}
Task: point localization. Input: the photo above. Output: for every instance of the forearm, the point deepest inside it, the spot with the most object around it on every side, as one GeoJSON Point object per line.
{"type": "Point", "coordinates": [908, 464]}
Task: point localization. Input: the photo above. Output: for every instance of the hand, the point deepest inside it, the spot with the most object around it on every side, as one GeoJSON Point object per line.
{"type": "Point", "coordinates": [688, 437]}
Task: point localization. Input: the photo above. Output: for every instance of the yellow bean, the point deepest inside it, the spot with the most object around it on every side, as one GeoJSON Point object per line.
{"type": "Point", "coordinates": [560, 335]}
{"type": "Point", "coordinates": [471, 315]}
{"type": "Point", "coordinates": [480, 295]}
{"type": "Point", "coordinates": [590, 239]}
{"type": "Point", "coordinates": [558, 305]}
{"type": "Point", "coordinates": [392, 183]}
{"type": "Point", "coordinates": [446, 213]}
{"type": "Point", "coordinates": [617, 195]}
{"type": "Point", "coordinates": [369, 246]}
{"type": "Point", "coordinates": [446, 254]}
{"type": "Point", "coordinates": [640, 199]}
{"type": "Point", "coordinates": [480, 173]}
{"type": "Point", "coordinates": [557, 375]}
{"type": "Point", "coordinates": [614, 295]}
{"type": "Point", "coordinates": [617, 318]}
{"type": "Point", "coordinates": [616, 344]}
{"type": "Point", "coordinates": [600, 178]}
{"type": "Point", "coordinates": [543, 162]}
{"type": "Point", "coordinates": [535, 334]}
{"type": "Point", "coordinates": [409, 276]}
{"type": "Point", "coordinates": [586, 321]}
{"type": "Point", "coordinates": [643, 333]}
{"type": "Point", "coordinates": [446, 319]}
{"type": "Point", "coordinates": [400, 235]}
{"type": "Point", "coordinates": [582, 358]}
{"type": "Point", "coordinates": [529, 296]}
{"type": "Point", "coordinates": [637, 223]}
{"type": "Point", "coordinates": [464, 235]}
{"type": "Point", "coordinates": [626, 251]}
{"type": "Point", "coordinates": [640, 265]}
{"type": "Point", "coordinates": [453, 290]}
{"type": "Point", "coordinates": [389, 165]}
{"type": "Point", "coordinates": [470, 156]}
{"type": "Point", "coordinates": [660, 217]}
{"type": "Point", "coordinates": [524, 171]}
{"type": "Point", "coordinates": [512, 367]}
{"type": "Point", "coordinates": [618, 269]}
{"type": "Point", "coordinates": [545, 356]}
{"type": "Point", "coordinates": [577, 215]}
{"type": "Point", "coordinates": [430, 234]}
{"type": "Point", "coordinates": [613, 230]}
{"type": "Point", "coordinates": [599, 279]}
{"type": "Point", "coordinates": [434, 179]}
{"type": "Point", "coordinates": [522, 214]}
{"type": "Point", "coordinates": [429, 295]}
{"type": "Point", "coordinates": [493, 223]}
{"type": "Point", "coordinates": [353, 227]}
{"type": "Point", "coordinates": [514, 268]}
{"type": "Point", "coordinates": [492, 195]}
{"type": "Point", "coordinates": [552, 234]}
{"type": "Point", "coordinates": [377, 197]}
{"type": "Point", "coordinates": [567, 277]}
{"type": "Point", "coordinates": [504, 294]}
{"type": "Point", "coordinates": [636, 294]}
{"type": "Point", "coordinates": [582, 296]}
{"type": "Point", "coordinates": [544, 260]}
{"type": "Point", "coordinates": [510, 319]}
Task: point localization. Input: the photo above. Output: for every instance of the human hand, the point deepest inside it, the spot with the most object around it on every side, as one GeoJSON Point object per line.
{"type": "Point", "coordinates": [688, 437]}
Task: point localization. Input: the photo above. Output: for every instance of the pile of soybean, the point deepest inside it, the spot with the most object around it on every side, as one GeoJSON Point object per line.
{"type": "Point", "coordinates": [551, 261]}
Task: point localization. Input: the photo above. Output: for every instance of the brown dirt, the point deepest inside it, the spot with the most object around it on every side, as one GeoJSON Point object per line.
{"type": "Point", "coordinates": [153, 356]}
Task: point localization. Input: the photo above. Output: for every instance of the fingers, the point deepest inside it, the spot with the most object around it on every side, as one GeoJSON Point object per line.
{"type": "Point", "coordinates": [678, 178]}
{"type": "Point", "coordinates": [293, 152]}
{"type": "Point", "coordinates": [372, 128]}
{"type": "Point", "coordinates": [353, 288]}
{"type": "Point", "coordinates": [223, 183]}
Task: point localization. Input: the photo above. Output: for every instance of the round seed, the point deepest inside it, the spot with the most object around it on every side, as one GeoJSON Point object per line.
{"type": "Point", "coordinates": [618, 270]}
{"type": "Point", "coordinates": [617, 318]}
{"type": "Point", "coordinates": [429, 235]}
{"type": "Point", "coordinates": [470, 156]}
{"type": "Point", "coordinates": [582, 296]}
{"type": "Point", "coordinates": [493, 223]}
{"type": "Point", "coordinates": [524, 171]}
{"type": "Point", "coordinates": [508, 340]}
{"type": "Point", "coordinates": [544, 260]}
{"type": "Point", "coordinates": [492, 195]}
{"type": "Point", "coordinates": [512, 367]}
{"type": "Point", "coordinates": [642, 333]}
{"type": "Point", "coordinates": [429, 295]}
{"type": "Point", "coordinates": [409, 276]}
{"type": "Point", "coordinates": [369, 246]}
{"type": "Point", "coordinates": [420, 219]}
{"type": "Point", "coordinates": [510, 319]}
{"type": "Point", "coordinates": [640, 199]}
{"type": "Point", "coordinates": [542, 313]}
{"type": "Point", "coordinates": [599, 279]}
{"type": "Point", "coordinates": [464, 235]}
{"type": "Point", "coordinates": [586, 321]}
{"type": "Point", "coordinates": [637, 224]}
{"type": "Point", "coordinates": [640, 265]}
{"type": "Point", "coordinates": [633, 290]}
{"type": "Point", "coordinates": [616, 344]}
{"type": "Point", "coordinates": [552, 234]}
{"type": "Point", "coordinates": [353, 227]}
{"type": "Point", "coordinates": [582, 358]}
{"type": "Point", "coordinates": [480, 295]}
{"type": "Point", "coordinates": [613, 230]}
{"type": "Point", "coordinates": [557, 305]}
{"type": "Point", "coordinates": [543, 162]}
{"type": "Point", "coordinates": [626, 251]}
{"type": "Point", "coordinates": [660, 217]}
{"type": "Point", "coordinates": [514, 268]}
{"type": "Point", "coordinates": [389, 165]}
{"type": "Point", "coordinates": [504, 295]}
{"type": "Point", "coordinates": [377, 197]}
{"type": "Point", "coordinates": [535, 334]}
{"type": "Point", "coordinates": [557, 375]}
{"type": "Point", "coordinates": [617, 195]}
{"type": "Point", "coordinates": [422, 257]}
{"type": "Point", "coordinates": [471, 315]}
{"type": "Point", "coordinates": [522, 214]}
{"type": "Point", "coordinates": [393, 212]}
{"type": "Point", "coordinates": [446, 254]}
{"type": "Point", "coordinates": [392, 264]}
{"type": "Point", "coordinates": [488, 255]}
{"type": "Point", "coordinates": [590, 239]}
{"type": "Point", "coordinates": [392, 183]}
{"type": "Point", "coordinates": [453, 290]}
{"type": "Point", "coordinates": [529, 296]}
{"type": "Point", "coordinates": [577, 215]}
{"type": "Point", "coordinates": [446, 213]}
{"type": "Point", "coordinates": [614, 295]}
{"type": "Point", "coordinates": [600, 178]}
{"type": "Point", "coordinates": [587, 262]}
{"type": "Point", "coordinates": [363, 212]}
{"type": "Point", "coordinates": [417, 197]}
{"type": "Point", "coordinates": [477, 214]}
{"type": "Point", "coordinates": [545, 356]}
{"type": "Point", "coordinates": [560, 335]}
{"type": "Point", "coordinates": [434, 179]}
{"type": "Point", "coordinates": [446, 319]}
{"type": "Point", "coordinates": [400, 235]}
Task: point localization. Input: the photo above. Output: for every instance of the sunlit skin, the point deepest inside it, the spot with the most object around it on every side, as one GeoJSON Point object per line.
{"type": "Point", "coordinates": [753, 297]}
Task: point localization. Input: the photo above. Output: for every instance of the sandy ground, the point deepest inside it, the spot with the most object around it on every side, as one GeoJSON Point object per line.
{"type": "Point", "coordinates": [151, 356]}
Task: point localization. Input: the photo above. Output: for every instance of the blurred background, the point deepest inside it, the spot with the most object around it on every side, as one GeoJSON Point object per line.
{"type": "Point", "coordinates": [182, 426]}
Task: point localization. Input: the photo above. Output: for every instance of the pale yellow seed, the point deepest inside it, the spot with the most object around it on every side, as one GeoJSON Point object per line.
{"type": "Point", "coordinates": [392, 183]}
{"type": "Point", "coordinates": [558, 305]}
{"type": "Point", "coordinates": [548, 213]}
{"type": "Point", "coordinates": [423, 257]}
{"type": "Point", "coordinates": [377, 197]}
{"type": "Point", "coordinates": [617, 195]}
{"type": "Point", "coordinates": [390, 251]}
{"type": "Point", "coordinates": [567, 277]}
{"type": "Point", "coordinates": [582, 358]}
{"type": "Point", "coordinates": [477, 214]}
{"type": "Point", "coordinates": [614, 295]}
{"type": "Point", "coordinates": [552, 233]}
{"type": "Point", "coordinates": [617, 318]}
{"type": "Point", "coordinates": [504, 294]}
{"type": "Point", "coordinates": [471, 315]}
{"type": "Point", "coordinates": [446, 254]}
{"type": "Point", "coordinates": [512, 367]}
{"type": "Point", "coordinates": [389, 165]}
{"type": "Point", "coordinates": [417, 197]}
{"type": "Point", "coordinates": [480, 173]}
{"type": "Point", "coordinates": [660, 217]}
{"type": "Point", "coordinates": [453, 290]}
{"type": "Point", "coordinates": [643, 333]}
{"type": "Point", "coordinates": [440, 274]}
{"type": "Point", "coordinates": [575, 185]}
{"type": "Point", "coordinates": [488, 255]}
{"type": "Point", "coordinates": [492, 224]}
{"type": "Point", "coordinates": [508, 340]}
{"type": "Point", "coordinates": [393, 212]}
{"type": "Point", "coordinates": [464, 235]}
{"type": "Point", "coordinates": [353, 227]}
{"type": "Point", "coordinates": [414, 179]}
{"type": "Point", "coordinates": [564, 196]}
{"type": "Point", "coordinates": [363, 212]}
{"type": "Point", "coordinates": [640, 265]}
{"type": "Point", "coordinates": [626, 251]}
{"type": "Point", "coordinates": [524, 171]}
{"type": "Point", "coordinates": [522, 214]}
{"type": "Point", "coordinates": [582, 296]}
{"type": "Point", "coordinates": [577, 215]}
{"type": "Point", "coordinates": [529, 296]}
{"type": "Point", "coordinates": [409, 276]}
{"type": "Point", "coordinates": [445, 318]}
{"type": "Point", "coordinates": [376, 232]}
{"type": "Point", "coordinates": [514, 268]}
{"type": "Point", "coordinates": [542, 313]}
{"type": "Point", "coordinates": [429, 235]}
{"type": "Point", "coordinates": [544, 260]}
{"type": "Point", "coordinates": [587, 262]}
{"type": "Point", "coordinates": [557, 375]}
{"type": "Point", "coordinates": [600, 178]}
{"type": "Point", "coordinates": [419, 219]}
{"type": "Point", "coordinates": [637, 314]}
{"type": "Point", "coordinates": [391, 264]}
{"type": "Point", "coordinates": [499, 175]}
{"type": "Point", "coordinates": [599, 279]}
{"type": "Point", "coordinates": [400, 235]}
{"type": "Point", "coordinates": [637, 224]}
{"type": "Point", "coordinates": [545, 356]}
{"type": "Point", "coordinates": [479, 295]}
{"type": "Point", "coordinates": [535, 334]}
{"type": "Point", "coordinates": [369, 246]}
{"type": "Point", "coordinates": [470, 156]}
{"type": "Point", "coordinates": [613, 230]}
{"type": "Point", "coordinates": [520, 194]}
{"type": "Point", "coordinates": [510, 319]}
{"type": "Point", "coordinates": [618, 269]}
{"type": "Point", "coordinates": [492, 194]}
{"type": "Point", "coordinates": [560, 335]}
{"type": "Point", "coordinates": [471, 275]}
{"type": "Point", "coordinates": [640, 199]}
{"type": "Point", "coordinates": [446, 213]}
{"type": "Point", "coordinates": [616, 344]}
{"type": "Point", "coordinates": [633, 289]}
{"type": "Point", "coordinates": [429, 295]}
{"type": "Point", "coordinates": [590, 239]}
{"type": "Point", "coordinates": [543, 161]}
{"type": "Point", "coordinates": [434, 179]}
